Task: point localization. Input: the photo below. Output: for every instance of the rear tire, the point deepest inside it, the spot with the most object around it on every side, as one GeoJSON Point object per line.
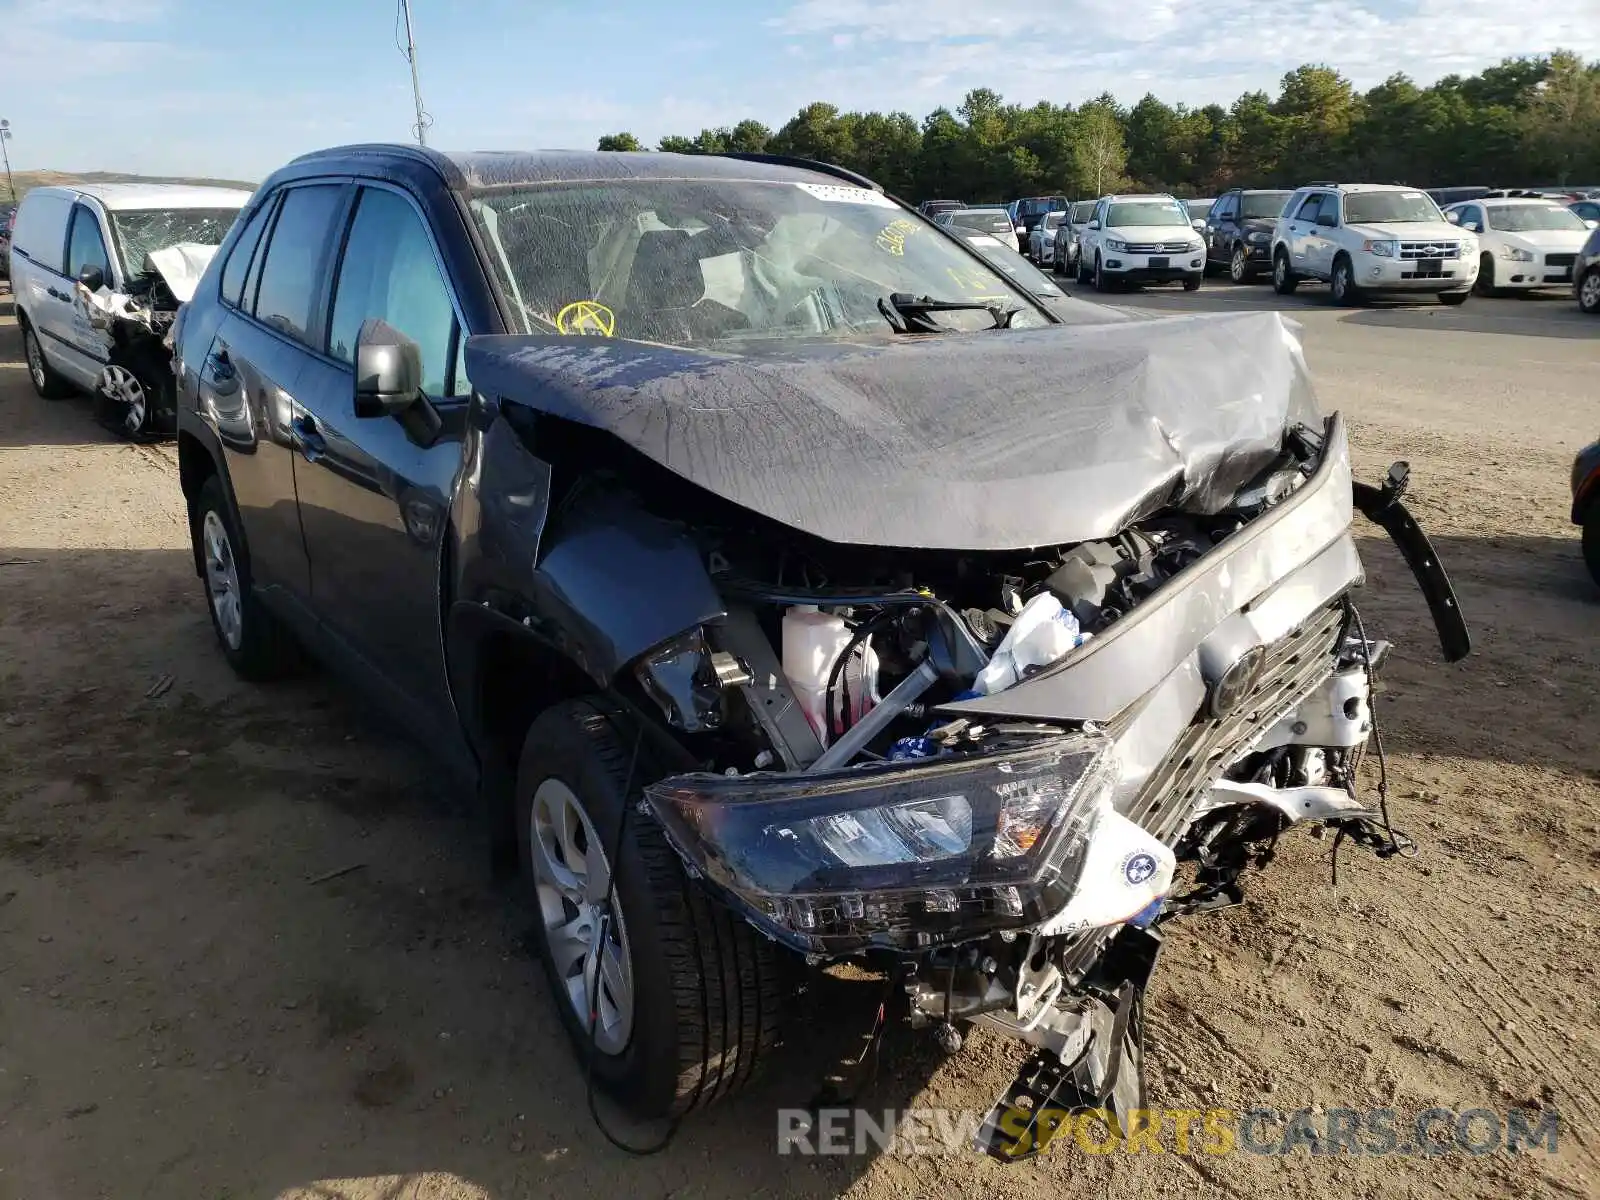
{"type": "Point", "coordinates": [254, 642]}
{"type": "Point", "coordinates": [705, 991]}
{"type": "Point", "coordinates": [1284, 280]}
{"type": "Point", "coordinates": [43, 376]}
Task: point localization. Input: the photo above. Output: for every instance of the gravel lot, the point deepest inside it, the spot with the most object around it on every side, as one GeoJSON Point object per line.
{"type": "Point", "coordinates": [186, 1011]}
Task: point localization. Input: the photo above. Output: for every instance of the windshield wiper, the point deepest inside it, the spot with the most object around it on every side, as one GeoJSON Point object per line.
{"type": "Point", "coordinates": [911, 314]}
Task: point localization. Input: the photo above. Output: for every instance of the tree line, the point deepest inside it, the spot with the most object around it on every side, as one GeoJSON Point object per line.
{"type": "Point", "coordinates": [1526, 121]}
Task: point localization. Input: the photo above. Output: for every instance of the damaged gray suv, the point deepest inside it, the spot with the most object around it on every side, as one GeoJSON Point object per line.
{"type": "Point", "coordinates": [788, 586]}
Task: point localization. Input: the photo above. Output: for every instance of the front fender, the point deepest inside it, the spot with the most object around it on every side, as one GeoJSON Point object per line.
{"type": "Point", "coordinates": [600, 581]}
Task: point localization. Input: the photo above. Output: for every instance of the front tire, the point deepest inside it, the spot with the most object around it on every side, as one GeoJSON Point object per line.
{"type": "Point", "coordinates": [690, 997]}
{"type": "Point", "coordinates": [1284, 280]}
{"type": "Point", "coordinates": [1484, 284]}
{"type": "Point", "coordinates": [130, 398]}
{"type": "Point", "coordinates": [1101, 283]}
{"type": "Point", "coordinates": [1342, 288]}
{"type": "Point", "coordinates": [1454, 298]}
{"type": "Point", "coordinates": [1239, 266]}
{"type": "Point", "coordinates": [254, 642]}
{"type": "Point", "coordinates": [1191, 283]}
{"type": "Point", "coordinates": [1589, 291]}
{"type": "Point", "coordinates": [41, 374]}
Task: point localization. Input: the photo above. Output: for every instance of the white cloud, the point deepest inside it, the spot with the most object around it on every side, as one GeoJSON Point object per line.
{"type": "Point", "coordinates": [929, 52]}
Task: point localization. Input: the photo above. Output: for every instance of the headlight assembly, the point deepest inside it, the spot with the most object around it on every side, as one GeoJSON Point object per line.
{"type": "Point", "coordinates": [1515, 255]}
{"type": "Point", "coordinates": [1116, 245]}
{"type": "Point", "coordinates": [1259, 237]}
{"type": "Point", "coordinates": [895, 855]}
{"type": "Point", "coordinates": [1383, 249]}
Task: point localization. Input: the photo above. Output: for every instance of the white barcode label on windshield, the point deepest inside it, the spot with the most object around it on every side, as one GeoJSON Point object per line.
{"type": "Point", "coordinates": [844, 194]}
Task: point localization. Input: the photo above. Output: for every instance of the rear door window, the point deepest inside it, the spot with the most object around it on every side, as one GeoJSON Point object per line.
{"type": "Point", "coordinates": [292, 274]}
{"type": "Point", "coordinates": [86, 245]}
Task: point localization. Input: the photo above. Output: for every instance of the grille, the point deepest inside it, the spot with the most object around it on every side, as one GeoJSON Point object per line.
{"type": "Point", "coordinates": [1560, 260]}
{"type": "Point", "coordinates": [1158, 247]}
{"type": "Point", "coordinates": [1294, 666]}
{"type": "Point", "coordinates": [1430, 249]}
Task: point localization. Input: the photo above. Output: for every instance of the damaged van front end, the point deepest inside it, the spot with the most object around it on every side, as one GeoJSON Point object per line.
{"type": "Point", "coordinates": [135, 391]}
{"type": "Point", "coordinates": [987, 657]}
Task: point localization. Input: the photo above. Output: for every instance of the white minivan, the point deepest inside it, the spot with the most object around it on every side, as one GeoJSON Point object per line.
{"type": "Point", "coordinates": [81, 257]}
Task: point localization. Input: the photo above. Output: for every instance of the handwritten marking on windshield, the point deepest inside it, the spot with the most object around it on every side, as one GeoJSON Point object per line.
{"type": "Point", "coordinates": [892, 237]}
{"type": "Point", "coordinates": [587, 317]}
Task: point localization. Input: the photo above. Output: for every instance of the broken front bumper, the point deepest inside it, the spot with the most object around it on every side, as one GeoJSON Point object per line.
{"type": "Point", "coordinates": [1175, 693]}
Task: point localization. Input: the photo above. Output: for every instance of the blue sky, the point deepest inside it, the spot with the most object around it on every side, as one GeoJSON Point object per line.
{"type": "Point", "coordinates": [235, 87]}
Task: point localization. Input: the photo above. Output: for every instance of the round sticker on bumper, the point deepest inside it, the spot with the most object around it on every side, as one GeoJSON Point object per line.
{"type": "Point", "coordinates": [1138, 868]}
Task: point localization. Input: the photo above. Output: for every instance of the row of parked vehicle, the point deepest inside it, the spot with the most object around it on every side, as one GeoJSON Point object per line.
{"type": "Point", "coordinates": [1360, 239]}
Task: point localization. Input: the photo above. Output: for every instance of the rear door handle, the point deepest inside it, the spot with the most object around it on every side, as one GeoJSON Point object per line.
{"type": "Point", "coordinates": [307, 438]}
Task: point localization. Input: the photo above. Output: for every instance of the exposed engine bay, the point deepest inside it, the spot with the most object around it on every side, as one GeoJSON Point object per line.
{"type": "Point", "coordinates": [992, 865]}
{"type": "Point", "coordinates": [994, 774]}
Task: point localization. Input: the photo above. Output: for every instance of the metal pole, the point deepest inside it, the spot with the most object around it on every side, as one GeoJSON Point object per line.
{"type": "Point", "coordinates": [423, 120]}
{"type": "Point", "coordinates": [5, 136]}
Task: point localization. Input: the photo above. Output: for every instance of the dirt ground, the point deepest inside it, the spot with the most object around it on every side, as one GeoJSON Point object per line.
{"type": "Point", "coordinates": [190, 1007]}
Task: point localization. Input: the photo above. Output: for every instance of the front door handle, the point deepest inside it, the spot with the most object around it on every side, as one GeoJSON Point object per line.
{"type": "Point", "coordinates": [310, 442]}
{"type": "Point", "coordinates": [55, 295]}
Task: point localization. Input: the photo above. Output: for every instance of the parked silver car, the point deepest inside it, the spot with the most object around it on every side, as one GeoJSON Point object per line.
{"type": "Point", "coordinates": [1064, 251]}
{"type": "Point", "coordinates": [1042, 237]}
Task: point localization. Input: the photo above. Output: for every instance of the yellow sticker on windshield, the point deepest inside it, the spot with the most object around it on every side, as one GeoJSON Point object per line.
{"type": "Point", "coordinates": [969, 281]}
{"type": "Point", "coordinates": [892, 237]}
{"type": "Point", "coordinates": [587, 317]}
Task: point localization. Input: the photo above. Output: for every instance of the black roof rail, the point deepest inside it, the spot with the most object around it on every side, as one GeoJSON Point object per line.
{"type": "Point", "coordinates": [810, 164]}
{"type": "Point", "coordinates": [1322, 183]}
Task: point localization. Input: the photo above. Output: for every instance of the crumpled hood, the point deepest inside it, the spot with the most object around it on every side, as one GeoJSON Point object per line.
{"type": "Point", "coordinates": [986, 441]}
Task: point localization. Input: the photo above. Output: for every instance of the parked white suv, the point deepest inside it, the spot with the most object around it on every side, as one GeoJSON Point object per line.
{"type": "Point", "coordinates": [86, 292]}
{"type": "Point", "coordinates": [1522, 243]}
{"type": "Point", "coordinates": [1141, 239]}
{"type": "Point", "coordinates": [1364, 238]}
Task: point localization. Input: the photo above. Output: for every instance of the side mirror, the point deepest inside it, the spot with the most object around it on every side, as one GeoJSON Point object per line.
{"type": "Point", "coordinates": [1591, 224]}
{"type": "Point", "coordinates": [1094, 224]}
{"type": "Point", "coordinates": [1453, 217]}
{"type": "Point", "coordinates": [388, 370]}
{"type": "Point", "coordinates": [1198, 223]}
{"type": "Point", "coordinates": [92, 278]}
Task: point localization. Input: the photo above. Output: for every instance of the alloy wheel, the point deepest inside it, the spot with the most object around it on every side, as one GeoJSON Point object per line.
{"type": "Point", "coordinates": [1237, 265]}
{"type": "Point", "coordinates": [222, 580]}
{"type": "Point", "coordinates": [572, 879]}
{"type": "Point", "coordinates": [1340, 286]}
{"type": "Point", "coordinates": [35, 359]}
{"type": "Point", "coordinates": [1589, 292]}
{"type": "Point", "coordinates": [122, 386]}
